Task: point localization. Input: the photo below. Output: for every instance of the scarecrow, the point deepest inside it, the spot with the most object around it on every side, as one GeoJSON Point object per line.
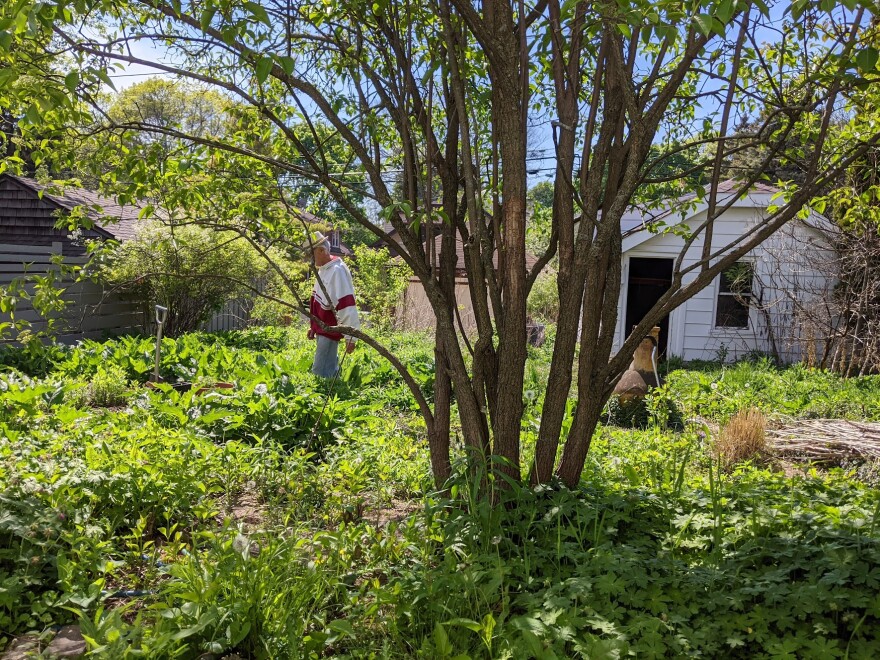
{"type": "Point", "coordinates": [332, 304]}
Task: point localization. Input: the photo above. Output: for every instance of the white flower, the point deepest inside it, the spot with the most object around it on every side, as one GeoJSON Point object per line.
{"type": "Point", "coordinates": [261, 389]}
{"type": "Point", "coordinates": [241, 543]}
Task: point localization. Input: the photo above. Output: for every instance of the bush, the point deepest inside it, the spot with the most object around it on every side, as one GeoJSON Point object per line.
{"type": "Point", "coordinates": [543, 302]}
{"type": "Point", "coordinates": [656, 409]}
{"type": "Point", "coordinates": [283, 294]}
{"type": "Point", "coordinates": [190, 270]}
{"type": "Point", "coordinates": [108, 388]}
{"type": "Point", "coordinates": [379, 283]}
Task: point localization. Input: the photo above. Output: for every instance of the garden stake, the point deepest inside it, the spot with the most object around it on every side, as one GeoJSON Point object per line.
{"type": "Point", "coordinates": [161, 315]}
{"type": "Point", "coordinates": [327, 400]}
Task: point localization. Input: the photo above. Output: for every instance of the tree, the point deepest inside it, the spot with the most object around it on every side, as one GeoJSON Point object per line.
{"type": "Point", "coordinates": [172, 105]}
{"type": "Point", "coordinates": [438, 96]}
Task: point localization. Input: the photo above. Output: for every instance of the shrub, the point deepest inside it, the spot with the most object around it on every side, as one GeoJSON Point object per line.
{"type": "Point", "coordinates": [284, 292]}
{"type": "Point", "coordinates": [379, 283]}
{"type": "Point", "coordinates": [190, 270]}
{"type": "Point", "coordinates": [632, 414]}
{"type": "Point", "coordinates": [742, 438]}
{"type": "Point", "coordinates": [543, 302]}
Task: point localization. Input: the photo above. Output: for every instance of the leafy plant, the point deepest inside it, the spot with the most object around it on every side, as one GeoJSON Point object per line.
{"type": "Point", "coordinates": [189, 523]}
{"type": "Point", "coordinates": [543, 301]}
{"type": "Point", "coordinates": [109, 387]}
{"type": "Point", "coordinates": [190, 270]}
{"type": "Point", "coordinates": [380, 282]}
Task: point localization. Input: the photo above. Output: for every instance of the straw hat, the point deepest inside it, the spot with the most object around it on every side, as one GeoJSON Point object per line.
{"type": "Point", "coordinates": [314, 240]}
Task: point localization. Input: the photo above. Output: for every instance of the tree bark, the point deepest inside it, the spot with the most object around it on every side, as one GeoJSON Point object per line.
{"type": "Point", "coordinates": [510, 135]}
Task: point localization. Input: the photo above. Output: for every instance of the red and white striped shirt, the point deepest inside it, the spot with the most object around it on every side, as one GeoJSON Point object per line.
{"type": "Point", "coordinates": [340, 309]}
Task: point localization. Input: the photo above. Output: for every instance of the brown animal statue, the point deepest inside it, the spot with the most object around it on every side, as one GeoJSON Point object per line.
{"type": "Point", "coordinates": [639, 378]}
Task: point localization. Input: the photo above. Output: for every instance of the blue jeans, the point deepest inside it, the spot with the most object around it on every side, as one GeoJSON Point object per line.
{"type": "Point", "coordinates": [326, 362]}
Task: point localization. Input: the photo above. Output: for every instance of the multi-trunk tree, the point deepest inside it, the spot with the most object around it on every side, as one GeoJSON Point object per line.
{"type": "Point", "coordinates": [437, 102]}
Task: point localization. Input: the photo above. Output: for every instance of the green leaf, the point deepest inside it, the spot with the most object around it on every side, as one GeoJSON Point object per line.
{"type": "Point", "coordinates": [866, 59]}
{"type": "Point", "coordinates": [724, 11]}
{"type": "Point", "coordinates": [705, 23]}
{"type": "Point", "coordinates": [5, 40]}
{"type": "Point", "coordinates": [259, 13]}
{"type": "Point", "coordinates": [206, 17]}
{"type": "Point", "coordinates": [264, 67]}
{"type": "Point", "coordinates": [103, 77]}
{"type": "Point", "coordinates": [33, 114]}
{"type": "Point", "coordinates": [470, 624]}
{"type": "Point", "coordinates": [7, 76]}
{"type": "Point", "coordinates": [762, 7]}
{"type": "Point", "coordinates": [286, 63]}
{"type": "Point", "coordinates": [46, 103]}
{"type": "Point", "coordinates": [441, 640]}
{"type": "Point", "coordinates": [71, 80]}
{"type": "Point", "coordinates": [341, 626]}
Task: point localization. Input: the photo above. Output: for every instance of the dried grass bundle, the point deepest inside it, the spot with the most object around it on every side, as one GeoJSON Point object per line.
{"type": "Point", "coordinates": [742, 438]}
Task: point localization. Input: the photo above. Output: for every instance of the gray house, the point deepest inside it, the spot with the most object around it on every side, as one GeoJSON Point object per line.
{"type": "Point", "coordinates": [30, 242]}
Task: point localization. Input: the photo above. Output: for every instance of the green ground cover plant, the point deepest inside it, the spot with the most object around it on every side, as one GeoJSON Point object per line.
{"type": "Point", "coordinates": [717, 392]}
{"type": "Point", "coordinates": [172, 524]}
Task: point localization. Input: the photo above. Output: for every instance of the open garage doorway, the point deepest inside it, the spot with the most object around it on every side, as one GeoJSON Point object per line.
{"type": "Point", "coordinates": [649, 278]}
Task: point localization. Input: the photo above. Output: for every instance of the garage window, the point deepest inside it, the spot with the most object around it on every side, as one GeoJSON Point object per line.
{"type": "Point", "coordinates": [734, 296]}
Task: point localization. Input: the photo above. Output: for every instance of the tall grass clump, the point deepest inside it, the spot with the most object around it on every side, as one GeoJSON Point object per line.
{"type": "Point", "coordinates": [742, 438]}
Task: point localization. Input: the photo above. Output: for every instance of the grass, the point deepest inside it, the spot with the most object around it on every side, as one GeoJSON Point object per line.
{"type": "Point", "coordinates": [718, 392]}
{"type": "Point", "coordinates": [169, 525]}
{"type": "Point", "coordinates": [742, 438]}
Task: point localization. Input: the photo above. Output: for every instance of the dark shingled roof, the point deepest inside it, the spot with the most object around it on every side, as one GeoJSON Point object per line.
{"type": "Point", "coordinates": [114, 219]}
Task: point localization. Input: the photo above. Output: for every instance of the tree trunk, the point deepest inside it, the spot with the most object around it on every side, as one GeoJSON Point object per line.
{"type": "Point", "coordinates": [570, 287]}
{"type": "Point", "coordinates": [589, 409]}
{"type": "Point", "coordinates": [438, 434]}
{"type": "Point", "coordinates": [510, 135]}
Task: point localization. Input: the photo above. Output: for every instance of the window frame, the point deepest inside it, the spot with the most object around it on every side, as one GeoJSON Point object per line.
{"type": "Point", "coordinates": [736, 296]}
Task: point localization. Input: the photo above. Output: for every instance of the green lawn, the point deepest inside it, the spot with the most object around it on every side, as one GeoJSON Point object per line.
{"type": "Point", "coordinates": [169, 525]}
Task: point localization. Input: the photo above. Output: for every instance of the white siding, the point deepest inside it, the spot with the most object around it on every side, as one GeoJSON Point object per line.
{"type": "Point", "coordinates": [786, 268]}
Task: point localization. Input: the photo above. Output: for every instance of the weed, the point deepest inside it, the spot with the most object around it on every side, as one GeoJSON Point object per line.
{"type": "Point", "coordinates": [107, 388]}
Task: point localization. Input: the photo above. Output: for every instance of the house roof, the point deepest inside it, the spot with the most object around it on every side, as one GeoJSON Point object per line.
{"type": "Point", "coordinates": [115, 220]}
{"type": "Point", "coordinates": [119, 221]}
{"type": "Point", "coordinates": [637, 219]}
{"type": "Point", "coordinates": [760, 195]}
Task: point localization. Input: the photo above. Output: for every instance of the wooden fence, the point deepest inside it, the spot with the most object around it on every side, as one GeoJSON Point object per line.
{"type": "Point", "coordinates": [235, 315]}
{"type": "Point", "coordinates": [91, 311]}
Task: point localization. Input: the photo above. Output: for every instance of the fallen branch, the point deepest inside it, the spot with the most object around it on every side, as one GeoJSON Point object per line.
{"type": "Point", "coordinates": [826, 440]}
